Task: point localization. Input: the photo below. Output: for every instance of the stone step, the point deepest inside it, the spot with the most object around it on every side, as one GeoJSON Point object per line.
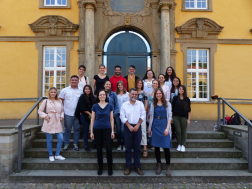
{"type": "Point", "coordinates": [190, 135]}
{"type": "Point", "coordinates": [90, 176]}
{"type": "Point", "coordinates": [189, 153]}
{"type": "Point", "coordinates": [146, 164]}
{"type": "Point", "coordinates": [191, 143]}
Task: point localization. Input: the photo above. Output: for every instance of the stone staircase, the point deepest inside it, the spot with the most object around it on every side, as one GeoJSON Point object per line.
{"type": "Point", "coordinates": [209, 157]}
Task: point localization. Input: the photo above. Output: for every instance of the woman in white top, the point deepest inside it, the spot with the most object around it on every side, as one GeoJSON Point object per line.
{"type": "Point", "coordinates": [147, 80]}
{"type": "Point", "coordinates": [169, 76]}
{"type": "Point", "coordinates": [166, 88]}
{"type": "Point", "coordinates": [83, 80]}
{"type": "Point", "coordinates": [122, 96]}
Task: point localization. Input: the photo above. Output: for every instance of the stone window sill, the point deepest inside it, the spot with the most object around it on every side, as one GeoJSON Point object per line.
{"type": "Point", "coordinates": [55, 7]}
{"type": "Point", "coordinates": [197, 10]}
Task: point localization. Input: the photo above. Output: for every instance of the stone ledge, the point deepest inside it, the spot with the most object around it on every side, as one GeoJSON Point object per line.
{"type": "Point", "coordinates": [12, 131]}
{"type": "Point", "coordinates": [242, 128]}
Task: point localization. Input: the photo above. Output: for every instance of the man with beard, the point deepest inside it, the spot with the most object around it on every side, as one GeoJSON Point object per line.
{"type": "Point", "coordinates": [117, 77]}
{"type": "Point", "coordinates": [132, 114]}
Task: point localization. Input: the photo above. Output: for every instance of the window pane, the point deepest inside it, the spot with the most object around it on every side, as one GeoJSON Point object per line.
{"type": "Point", "coordinates": [52, 2]}
{"type": "Point", "coordinates": [64, 2]}
{"type": "Point", "coordinates": [47, 2]}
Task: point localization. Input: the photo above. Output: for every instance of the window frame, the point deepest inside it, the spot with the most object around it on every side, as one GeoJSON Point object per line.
{"type": "Point", "coordinates": [42, 5]}
{"type": "Point", "coordinates": [55, 68]}
{"type": "Point", "coordinates": [197, 71]}
{"type": "Point", "coordinates": [208, 9]}
{"type": "Point", "coordinates": [40, 46]}
{"type": "Point", "coordinates": [196, 45]}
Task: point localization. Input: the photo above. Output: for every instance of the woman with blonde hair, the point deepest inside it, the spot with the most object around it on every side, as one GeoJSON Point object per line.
{"type": "Point", "coordinates": [122, 96]}
{"type": "Point", "coordinates": [52, 111]}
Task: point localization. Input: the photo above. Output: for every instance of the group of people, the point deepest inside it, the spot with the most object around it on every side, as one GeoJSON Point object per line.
{"type": "Point", "coordinates": [134, 106]}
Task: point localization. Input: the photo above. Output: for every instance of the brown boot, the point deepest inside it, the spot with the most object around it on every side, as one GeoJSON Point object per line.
{"type": "Point", "coordinates": [168, 171]}
{"type": "Point", "coordinates": [127, 171]}
{"type": "Point", "coordinates": [159, 168]}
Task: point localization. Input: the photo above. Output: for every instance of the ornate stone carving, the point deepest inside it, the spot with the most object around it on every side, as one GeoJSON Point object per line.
{"type": "Point", "coordinates": [92, 2]}
{"type": "Point", "coordinates": [108, 11]}
{"type": "Point", "coordinates": [53, 25]}
{"type": "Point", "coordinates": [127, 20]}
{"type": "Point", "coordinates": [167, 5]}
{"type": "Point", "coordinates": [199, 28]}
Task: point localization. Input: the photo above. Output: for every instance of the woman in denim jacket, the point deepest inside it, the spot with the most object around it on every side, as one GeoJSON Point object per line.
{"type": "Point", "coordinates": [112, 99]}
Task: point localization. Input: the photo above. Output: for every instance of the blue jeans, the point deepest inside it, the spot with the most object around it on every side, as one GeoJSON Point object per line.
{"type": "Point", "coordinates": [70, 121]}
{"type": "Point", "coordinates": [132, 139]}
{"type": "Point", "coordinates": [85, 124]}
{"type": "Point", "coordinates": [49, 138]}
{"type": "Point", "coordinates": [119, 130]}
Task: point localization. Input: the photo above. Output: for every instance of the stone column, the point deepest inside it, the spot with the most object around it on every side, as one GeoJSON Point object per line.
{"type": "Point", "coordinates": [90, 8]}
{"type": "Point", "coordinates": [81, 50]}
{"type": "Point", "coordinates": [165, 57]}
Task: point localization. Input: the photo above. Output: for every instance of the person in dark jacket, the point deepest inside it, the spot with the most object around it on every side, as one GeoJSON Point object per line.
{"type": "Point", "coordinates": [83, 112]}
{"type": "Point", "coordinates": [181, 110]}
{"type": "Point", "coordinates": [131, 78]}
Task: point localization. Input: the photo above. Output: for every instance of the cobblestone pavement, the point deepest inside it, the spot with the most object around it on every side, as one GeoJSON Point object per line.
{"type": "Point", "coordinates": [194, 126]}
{"type": "Point", "coordinates": [126, 185]}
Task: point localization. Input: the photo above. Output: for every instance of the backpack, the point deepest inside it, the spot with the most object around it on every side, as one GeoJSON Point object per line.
{"type": "Point", "coordinates": [234, 120]}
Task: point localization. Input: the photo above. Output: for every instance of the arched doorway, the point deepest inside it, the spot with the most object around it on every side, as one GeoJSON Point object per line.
{"type": "Point", "coordinates": [127, 48]}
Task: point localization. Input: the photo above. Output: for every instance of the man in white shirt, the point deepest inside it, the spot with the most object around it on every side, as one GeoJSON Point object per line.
{"type": "Point", "coordinates": [83, 80]}
{"type": "Point", "coordinates": [70, 97]}
{"type": "Point", "coordinates": [132, 114]}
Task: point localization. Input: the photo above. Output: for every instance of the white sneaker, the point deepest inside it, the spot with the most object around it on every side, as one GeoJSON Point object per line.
{"type": "Point", "coordinates": [161, 149]}
{"type": "Point", "coordinates": [179, 148]}
{"type": "Point", "coordinates": [182, 148]}
{"type": "Point", "coordinates": [59, 157]}
{"type": "Point", "coordinates": [124, 148]}
{"type": "Point", "coordinates": [51, 158]}
{"type": "Point", "coordinates": [119, 148]}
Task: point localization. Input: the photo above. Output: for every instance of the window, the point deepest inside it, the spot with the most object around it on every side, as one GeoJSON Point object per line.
{"type": "Point", "coordinates": [55, 2]}
{"type": "Point", "coordinates": [197, 5]}
{"type": "Point", "coordinates": [198, 74]}
{"type": "Point", "coordinates": [54, 68]}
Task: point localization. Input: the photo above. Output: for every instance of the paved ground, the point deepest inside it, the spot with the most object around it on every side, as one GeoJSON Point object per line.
{"type": "Point", "coordinates": [194, 126]}
{"type": "Point", "coordinates": [129, 186]}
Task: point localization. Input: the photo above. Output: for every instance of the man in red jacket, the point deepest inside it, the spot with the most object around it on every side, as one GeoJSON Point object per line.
{"type": "Point", "coordinates": [117, 77]}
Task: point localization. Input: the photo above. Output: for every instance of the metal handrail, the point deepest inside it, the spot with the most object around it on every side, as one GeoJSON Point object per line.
{"type": "Point", "coordinates": [225, 102]}
{"type": "Point", "coordinates": [20, 125]}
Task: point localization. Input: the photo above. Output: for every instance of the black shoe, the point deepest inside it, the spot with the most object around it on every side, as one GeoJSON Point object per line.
{"type": "Point", "coordinates": [94, 146]}
{"type": "Point", "coordinates": [87, 149]}
{"type": "Point", "coordinates": [66, 147]}
{"type": "Point", "coordinates": [100, 170]}
{"type": "Point", "coordinates": [110, 172]}
{"type": "Point", "coordinates": [76, 147]}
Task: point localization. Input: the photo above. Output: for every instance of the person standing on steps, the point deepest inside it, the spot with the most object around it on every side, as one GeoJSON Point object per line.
{"type": "Point", "coordinates": [102, 129]}
{"type": "Point", "coordinates": [131, 78]}
{"type": "Point", "coordinates": [83, 80]}
{"type": "Point", "coordinates": [122, 96]}
{"type": "Point", "coordinates": [84, 112]}
{"type": "Point", "coordinates": [169, 76]}
{"type": "Point", "coordinates": [147, 80]}
{"type": "Point", "coordinates": [99, 80]}
{"type": "Point", "coordinates": [159, 129]}
{"type": "Point", "coordinates": [166, 88]}
{"type": "Point", "coordinates": [132, 114]}
{"type": "Point", "coordinates": [117, 77]}
{"type": "Point", "coordinates": [53, 115]}
{"type": "Point", "coordinates": [181, 109]}
{"type": "Point", "coordinates": [70, 97]}
{"type": "Point", "coordinates": [142, 97]}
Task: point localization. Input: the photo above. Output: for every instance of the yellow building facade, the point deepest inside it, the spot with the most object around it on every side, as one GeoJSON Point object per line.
{"type": "Point", "coordinates": [208, 42]}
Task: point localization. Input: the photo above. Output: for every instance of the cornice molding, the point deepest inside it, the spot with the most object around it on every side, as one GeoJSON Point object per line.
{"type": "Point", "coordinates": [108, 11]}
{"type": "Point", "coordinates": [53, 25]}
{"type": "Point", "coordinates": [199, 28]}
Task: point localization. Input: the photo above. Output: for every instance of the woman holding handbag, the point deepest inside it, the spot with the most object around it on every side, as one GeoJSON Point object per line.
{"type": "Point", "coordinates": [53, 115]}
